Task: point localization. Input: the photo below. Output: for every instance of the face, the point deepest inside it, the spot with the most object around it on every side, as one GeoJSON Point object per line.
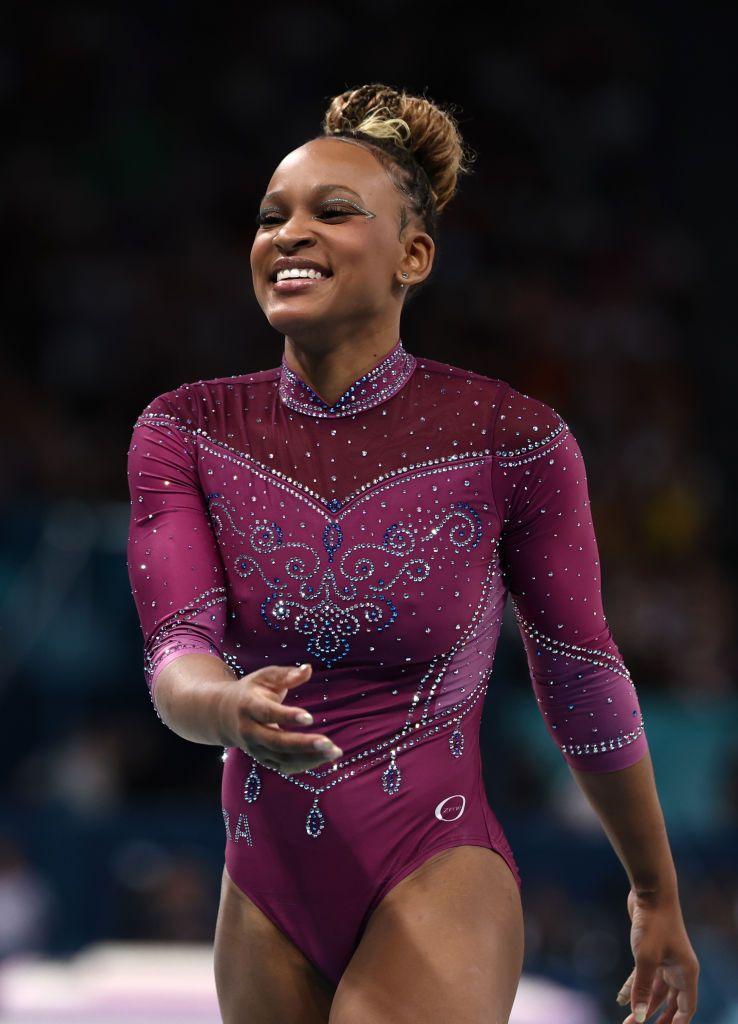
{"type": "Point", "coordinates": [332, 202]}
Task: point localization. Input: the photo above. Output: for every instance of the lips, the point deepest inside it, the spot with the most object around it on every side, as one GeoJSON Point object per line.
{"type": "Point", "coordinates": [285, 263]}
{"type": "Point", "coordinates": [298, 284]}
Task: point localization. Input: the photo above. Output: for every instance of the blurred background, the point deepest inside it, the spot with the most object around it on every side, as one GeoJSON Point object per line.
{"type": "Point", "coordinates": [586, 261]}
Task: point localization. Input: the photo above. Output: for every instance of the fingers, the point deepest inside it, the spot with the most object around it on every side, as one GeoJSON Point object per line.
{"type": "Point", "coordinates": [667, 1014]}
{"type": "Point", "coordinates": [643, 983]}
{"type": "Point", "coordinates": [686, 1006]}
{"type": "Point", "coordinates": [659, 992]}
{"type": "Point", "coordinates": [265, 709]}
{"type": "Point", "coordinates": [679, 1008]}
{"type": "Point", "coordinates": [623, 996]}
{"type": "Point", "coordinates": [286, 745]}
{"type": "Point", "coordinates": [282, 677]}
{"type": "Point", "coordinates": [265, 723]}
{"type": "Point", "coordinates": [269, 687]}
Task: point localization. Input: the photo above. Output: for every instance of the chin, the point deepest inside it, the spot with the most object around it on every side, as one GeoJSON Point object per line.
{"type": "Point", "coordinates": [287, 322]}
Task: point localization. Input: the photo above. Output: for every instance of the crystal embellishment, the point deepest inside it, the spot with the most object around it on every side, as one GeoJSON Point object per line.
{"type": "Point", "coordinates": [252, 786]}
{"type": "Point", "coordinates": [380, 383]}
{"type": "Point", "coordinates": [391, 776]}
{"type": "Point", "coordinates": [315, 822]}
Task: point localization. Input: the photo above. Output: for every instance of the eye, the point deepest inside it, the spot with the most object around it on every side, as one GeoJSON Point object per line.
{"type": "Point", "coordinates": [335, 210]}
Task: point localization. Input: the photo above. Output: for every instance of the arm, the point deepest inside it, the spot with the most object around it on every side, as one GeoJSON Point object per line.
{"type": "Point", "coordinates": [177, 577]}
{"type": "Point", "coordinates": [189, 698]}
{"type": "Point", "coordinates": [550, 563]}
{"type": "Point", "coordinates": [627, 804]}
{"type": "Point", "coordinates": [178, 583]}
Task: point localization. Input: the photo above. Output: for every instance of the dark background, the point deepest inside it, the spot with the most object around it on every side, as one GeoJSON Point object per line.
{"type": "Point", "coordinates": [588, 261]}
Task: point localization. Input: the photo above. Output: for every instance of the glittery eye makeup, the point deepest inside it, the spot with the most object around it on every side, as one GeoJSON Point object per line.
{"type": "Point", "coordinates": [336, 207]}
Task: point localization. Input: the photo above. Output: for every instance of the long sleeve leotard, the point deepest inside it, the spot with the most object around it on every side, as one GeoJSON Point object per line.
{"type": "Point", "coordinates": [378, 539]}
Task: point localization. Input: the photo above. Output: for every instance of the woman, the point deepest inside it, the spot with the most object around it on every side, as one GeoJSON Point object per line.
{"type": "Point", "coordinates": [330, 544]}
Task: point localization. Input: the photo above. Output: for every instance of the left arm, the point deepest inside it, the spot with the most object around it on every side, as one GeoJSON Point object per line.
{"type": "Point", "coordinates": [550, 561]}
{"type": "Point", "coordinates": [628, 806]}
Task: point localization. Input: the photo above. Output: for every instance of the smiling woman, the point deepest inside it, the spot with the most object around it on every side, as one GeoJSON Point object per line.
{"type": "Point", "coordinates": [347, 230]}
{"type": "Point", "coordinates": [338, 535]}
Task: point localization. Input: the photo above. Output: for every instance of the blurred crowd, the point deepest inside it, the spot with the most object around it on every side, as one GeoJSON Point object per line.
{"type": "Point", "coordinates": [564, 267]}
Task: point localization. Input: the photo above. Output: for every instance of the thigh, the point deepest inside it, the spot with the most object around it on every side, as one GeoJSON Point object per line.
{"type": "Point", "coordinates": [260, 974]}
{"type": "Point", "coordinates": [445, 944]}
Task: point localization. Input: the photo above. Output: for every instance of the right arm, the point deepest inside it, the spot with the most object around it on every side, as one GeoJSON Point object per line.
{"type": "Point", "coordinates": [178, 583]}
{"type": "Point", "coordinates": [174, 564]}
{"type": "Point", "coordinates": [190, 695]}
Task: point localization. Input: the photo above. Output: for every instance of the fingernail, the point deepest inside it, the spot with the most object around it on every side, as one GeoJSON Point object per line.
{"type": "Point", "coordinates": [640, 1012]}
{"type": "Point", "coordinates": [295, 672]}
{"type": "Point", "coordinates": [323, 745]}
{"type": "Point", "coordinates": [304, 718]}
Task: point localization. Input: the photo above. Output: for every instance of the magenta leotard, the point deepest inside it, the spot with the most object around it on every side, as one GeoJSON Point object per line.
{"type": "Point", "coordinates": [377, 539]}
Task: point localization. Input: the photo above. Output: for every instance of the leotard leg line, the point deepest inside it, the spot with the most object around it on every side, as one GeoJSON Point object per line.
{"type": "Point", "coordinates": [320, 891]}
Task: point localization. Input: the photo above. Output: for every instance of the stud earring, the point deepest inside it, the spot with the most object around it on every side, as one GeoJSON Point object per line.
{"type": "Point", "coordinates": [404, 275]}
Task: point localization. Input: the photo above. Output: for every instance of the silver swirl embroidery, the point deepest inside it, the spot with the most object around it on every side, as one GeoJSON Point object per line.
{"type": "Point", "coordinates": [334, 600]}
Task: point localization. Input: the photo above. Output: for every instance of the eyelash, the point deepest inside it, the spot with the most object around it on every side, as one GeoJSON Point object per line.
{"type": "Point", "coordinates": [262, 221]}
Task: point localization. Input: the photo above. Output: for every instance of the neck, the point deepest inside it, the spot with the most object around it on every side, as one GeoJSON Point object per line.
{"type": "Point", "coordinates": [330, 371]}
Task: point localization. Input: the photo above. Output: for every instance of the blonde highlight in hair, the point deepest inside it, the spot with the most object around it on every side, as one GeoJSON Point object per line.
{"type": "Point", "coordinates": [384, 128]}
{"type": "Point", "coordinates": [417, 141]}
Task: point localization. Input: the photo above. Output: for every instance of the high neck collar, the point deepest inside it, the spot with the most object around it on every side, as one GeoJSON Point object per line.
{"type": "Point", "coordinates": [374, 387]}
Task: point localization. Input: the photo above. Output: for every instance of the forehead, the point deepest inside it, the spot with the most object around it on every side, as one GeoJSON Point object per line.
{"type": "Point", "coordinates": [329, 160]}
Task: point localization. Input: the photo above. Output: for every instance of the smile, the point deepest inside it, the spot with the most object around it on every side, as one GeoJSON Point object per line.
{"type": "Point", "coordinates": [298, 284]}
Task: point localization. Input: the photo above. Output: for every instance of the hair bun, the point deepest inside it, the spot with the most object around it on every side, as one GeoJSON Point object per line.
{"type": "Point", "coordinates": [416, 124]}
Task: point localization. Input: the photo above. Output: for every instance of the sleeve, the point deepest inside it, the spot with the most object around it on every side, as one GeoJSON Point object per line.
{"type": "Point", "coordinates": [174, 564]}
{"type": "Point", "coordinates": [551, 569]}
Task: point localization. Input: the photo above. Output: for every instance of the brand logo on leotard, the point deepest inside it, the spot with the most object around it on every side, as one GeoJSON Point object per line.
{"type": "Point", "coordinates": [446, 811]}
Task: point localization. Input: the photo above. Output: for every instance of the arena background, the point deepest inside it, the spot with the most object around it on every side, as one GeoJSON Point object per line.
{"type": "Point", "coordinates": [589, 261]}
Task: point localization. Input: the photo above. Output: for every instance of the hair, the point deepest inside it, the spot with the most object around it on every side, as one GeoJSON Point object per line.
{"type": "Point", "coordinates": [416, 140]}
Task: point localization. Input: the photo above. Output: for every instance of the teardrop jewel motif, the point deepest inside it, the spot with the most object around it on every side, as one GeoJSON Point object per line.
{"type": "Point", "coordinates": [391, 776]}
{"type": "Point", "coordinates": [315, 822]}
{"type": "Point", "coordinates": [252, 786]}
{"type": "Point", "coordinates": [456, 742]}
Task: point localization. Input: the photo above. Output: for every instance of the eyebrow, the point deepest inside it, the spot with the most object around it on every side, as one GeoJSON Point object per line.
{"type": "Point", "coordinates": [317, 189]}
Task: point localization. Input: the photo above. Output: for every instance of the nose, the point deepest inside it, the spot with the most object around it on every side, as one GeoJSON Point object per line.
{"type": "Point", "coordinates": [293, 239]}
{"type": "Point", "coordinates": [294, 231]}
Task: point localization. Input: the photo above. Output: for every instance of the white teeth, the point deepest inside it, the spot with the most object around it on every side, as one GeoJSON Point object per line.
{"type": "Point", "coordinates": [283, 275]}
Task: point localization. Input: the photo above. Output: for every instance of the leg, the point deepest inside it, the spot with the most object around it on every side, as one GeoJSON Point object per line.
{"type": "Point", "coordinates": [445, 944]}
{"type": "Point", "coordinates": [261, 977]}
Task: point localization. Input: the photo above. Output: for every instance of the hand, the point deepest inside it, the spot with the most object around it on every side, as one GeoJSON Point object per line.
{"type": "Point", "coordinates": [665, 963]}
{"type": "Point", "coordinates": [252, 714]}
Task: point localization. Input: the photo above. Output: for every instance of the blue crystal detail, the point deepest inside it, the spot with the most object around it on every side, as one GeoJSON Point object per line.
{"type": "Point", "coordinates": [456, 742]}
{"type": "Point", "coordinates": [391, 779]}
{"type": "Point", "coordinates": [252, 786]}
{"type": "Point", "coordinates": [315, 821]}
{"type": "Point", "coordinates": [332, 539]}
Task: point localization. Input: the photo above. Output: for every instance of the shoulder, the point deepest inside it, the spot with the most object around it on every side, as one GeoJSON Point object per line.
{"type": "Point", "coordinates": [525, 425]}
{"type": "Point", "coordinates": [198, 405]}
{"type": "Point", "coordinates": [520, 423]}
{"type": "Point", "coordinates": [449, 381]}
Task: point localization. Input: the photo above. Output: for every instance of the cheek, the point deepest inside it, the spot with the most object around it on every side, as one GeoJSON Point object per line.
{"type": "Point", "coordinates": [366, 260]}
{"type": "Point", "coordinates": [257, 254]}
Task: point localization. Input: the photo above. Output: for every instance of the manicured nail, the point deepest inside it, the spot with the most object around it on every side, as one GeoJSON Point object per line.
{"type": "Point", "coordinates": [304, 718]}
{"type": "Point", "coordinates": [640, 1012]}
{"type": "Point", "coordinates": [328, 748]}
